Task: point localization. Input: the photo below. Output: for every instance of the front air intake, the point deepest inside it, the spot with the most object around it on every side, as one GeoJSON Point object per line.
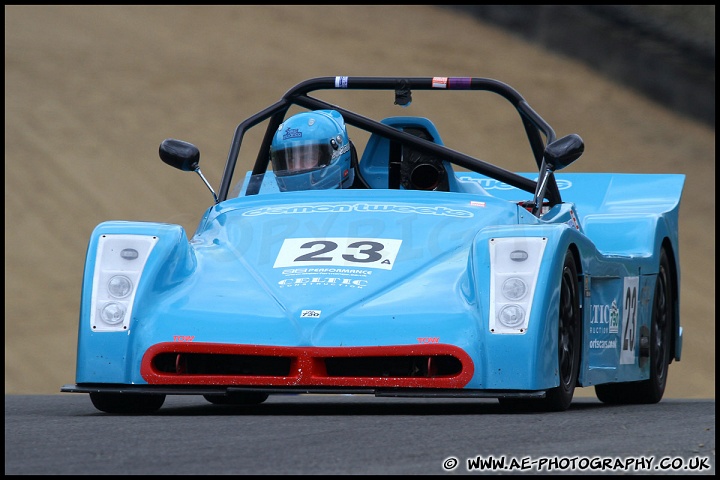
{"type": "Point", "coordinates": [429, 366]}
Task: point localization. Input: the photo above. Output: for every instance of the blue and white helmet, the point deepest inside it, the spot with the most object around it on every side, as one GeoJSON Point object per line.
{"type": "Point", "coordinates": [311, 151]}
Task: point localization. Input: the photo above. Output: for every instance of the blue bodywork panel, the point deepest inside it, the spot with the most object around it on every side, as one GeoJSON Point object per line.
{"type": "Point", "coordinates": [226, 285]}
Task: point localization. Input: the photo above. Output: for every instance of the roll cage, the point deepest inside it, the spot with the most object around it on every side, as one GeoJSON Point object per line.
{"type": "Point", "coordinates": [550, 154]}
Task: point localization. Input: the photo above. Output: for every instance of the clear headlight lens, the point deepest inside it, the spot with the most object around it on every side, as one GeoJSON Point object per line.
{"type": "Point", "coordinates": [112, 313]}
{"type": "Point", "coordinates": [120, 286]}
{"type": "Point", "coordinates": [511, 315]}
{"type": "Point", "coordinates": [514, 288]}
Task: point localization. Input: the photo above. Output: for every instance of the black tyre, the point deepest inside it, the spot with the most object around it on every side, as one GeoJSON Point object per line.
{"type": "Point", "coordinates": [663, 318]}
{"type": "Point", "coordinates": [569, 334]}
{"type": "Point", "coordinates": [559, 398]}
{"type": "Point", "coordinates": [127, 403]}
{"type": "Point", "coordinates": [237, 398]}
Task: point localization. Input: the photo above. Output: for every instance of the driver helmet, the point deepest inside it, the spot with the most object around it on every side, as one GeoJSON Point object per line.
{"type": "Point", "coordinates": [311, 151]}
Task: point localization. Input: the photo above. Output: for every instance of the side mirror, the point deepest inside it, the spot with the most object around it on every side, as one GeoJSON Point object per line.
{"type": "Point", "coordinates": [558, 155]}
{"type": "Point", "coordinates": [564, 151]}
{"type": "Point", "coordinates": [181, 155]}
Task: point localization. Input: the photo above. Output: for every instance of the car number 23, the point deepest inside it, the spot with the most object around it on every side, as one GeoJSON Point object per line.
{"type": "Point", "coordinates": [339, 251]}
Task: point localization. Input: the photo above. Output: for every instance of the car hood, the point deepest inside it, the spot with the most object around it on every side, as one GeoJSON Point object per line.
{"type": "Point", "coordinates": [365, 254]}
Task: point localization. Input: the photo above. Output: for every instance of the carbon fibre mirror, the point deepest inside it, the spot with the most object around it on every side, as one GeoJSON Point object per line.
{"type": "Point", "coordinates": [179, 154]}
{"type": "Point", "coordinates": [184, 156]}
{"type": "Point", "coordinates": [564, 151]}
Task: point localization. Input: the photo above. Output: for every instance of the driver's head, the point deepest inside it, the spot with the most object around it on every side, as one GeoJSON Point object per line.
{"type": "Point", "coordinates": [311, 151]}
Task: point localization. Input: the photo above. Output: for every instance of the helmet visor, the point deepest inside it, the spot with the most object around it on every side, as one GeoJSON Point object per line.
{"type": "Point", "coordinates": [300, 157]}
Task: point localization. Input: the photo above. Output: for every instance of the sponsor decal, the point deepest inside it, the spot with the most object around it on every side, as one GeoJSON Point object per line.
{"type": "Point", "coordinates": [359, 207]}
{"type": "Point", "coordinates": [492, 184]}
{"type": "Point", "coordinates": [439, 82]}
{"type": "Point", "coordinates": [326, 281]}
{"type": "Point", "coordinates": [292, 133]}
{"type": "Point", "coordinates": [573, 223]}
{"type": "Point", "coordinates": [350, 272]}
{"type": "Point", "coordinates": [605, 318]}
{"type": "Point", "coordinates": [328, 277]}
{"type": "Point", "coordinates": [604, 322]}
{"type": "Point", "coordinates": [344, 149]}
{"type": "Point", "coordinates": [474, 203]}
{"type": "Point", "coordinates": [613, 321]}
{"type": "Point", "coordinates": [603, 344]}
{"type": "Point", "coordinates": [310, 313]}
{"type": "Point", "coordinates": [428, 339]}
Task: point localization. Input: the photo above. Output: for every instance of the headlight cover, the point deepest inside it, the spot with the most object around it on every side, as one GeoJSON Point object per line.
{"type": "Point", "coordinates": [119, 263]}
{"type": "Point", "coordinates": [514, 265]}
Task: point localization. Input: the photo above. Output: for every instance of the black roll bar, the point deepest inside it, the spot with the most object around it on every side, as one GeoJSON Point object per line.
{"type": "Point", "coordinates": [298, 95]}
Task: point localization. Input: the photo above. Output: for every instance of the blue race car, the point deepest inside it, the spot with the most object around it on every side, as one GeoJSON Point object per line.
{"type": "Point", "coordinates": [412, 270]}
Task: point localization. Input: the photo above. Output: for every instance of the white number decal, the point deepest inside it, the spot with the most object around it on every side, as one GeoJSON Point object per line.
{"type": "Point", "coordinates": [344, 252]}
{"type": "Point", "coordinates": [629, 316]}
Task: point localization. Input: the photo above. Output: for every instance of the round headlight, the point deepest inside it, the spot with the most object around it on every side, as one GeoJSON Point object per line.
{"type": "Point", "coordinates": [514, 288]}
{"type": "Point", "coordinates": [119, 286]}
{"type": "Point", "coordinates": [511, 315]}
{"type": "Point", "coordinates": [112, 313]}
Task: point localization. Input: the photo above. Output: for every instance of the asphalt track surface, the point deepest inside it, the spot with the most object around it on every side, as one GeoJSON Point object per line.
{"type": "Point", "coordinates": [348, 435]}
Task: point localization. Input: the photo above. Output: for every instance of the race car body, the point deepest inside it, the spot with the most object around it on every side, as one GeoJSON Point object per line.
{"type": "Point", "coordinates": [420, 280]}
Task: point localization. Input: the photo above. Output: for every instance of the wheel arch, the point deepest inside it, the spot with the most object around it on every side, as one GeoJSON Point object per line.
{"type": "Point", "coordinates": [676, 331]}
{"type": "Point", "coordinates": [575, 251]}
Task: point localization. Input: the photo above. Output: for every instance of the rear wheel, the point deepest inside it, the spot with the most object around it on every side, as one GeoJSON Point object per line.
{"type": "Point", "coordinates": [130, 403]}
{"type": "Point", "coordinates": [558, 399]}
{"type": "Point", "coordinates": [237, 398]}
{"type": "Point", "coordinates": [652, 389]}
